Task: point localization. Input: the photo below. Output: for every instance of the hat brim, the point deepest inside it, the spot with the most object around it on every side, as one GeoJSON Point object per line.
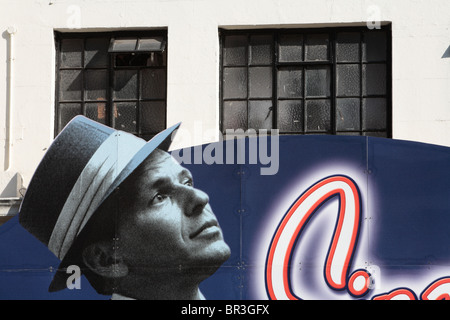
{"type": "Point", "coordinates": [161, 141]}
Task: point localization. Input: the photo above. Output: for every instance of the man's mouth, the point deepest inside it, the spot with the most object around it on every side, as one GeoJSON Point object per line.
{"type": "Point", "coordinates": [208, 229]}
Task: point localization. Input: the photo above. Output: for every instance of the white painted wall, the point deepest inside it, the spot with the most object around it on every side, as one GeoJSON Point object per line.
{"type": "Point", "coordinates": [421, 72]}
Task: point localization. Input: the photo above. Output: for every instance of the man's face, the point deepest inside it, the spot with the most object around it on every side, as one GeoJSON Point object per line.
{"type": "Point", "coordinates": [169, 223]}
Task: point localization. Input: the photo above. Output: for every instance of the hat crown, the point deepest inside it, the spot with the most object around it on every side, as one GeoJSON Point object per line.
{"type": "Point", "coordinates": [57, 173]}
{"type": "Point", "coordinates": [78, 174]}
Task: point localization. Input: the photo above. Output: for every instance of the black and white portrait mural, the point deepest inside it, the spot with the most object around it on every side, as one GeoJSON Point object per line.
{"type": "Point", "coordinates": [124, 213]}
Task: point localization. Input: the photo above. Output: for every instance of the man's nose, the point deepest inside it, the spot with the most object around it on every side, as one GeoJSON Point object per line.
{"type": "Point", "coordinates": [195, 201]}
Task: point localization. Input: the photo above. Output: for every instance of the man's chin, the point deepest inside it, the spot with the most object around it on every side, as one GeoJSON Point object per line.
{"type": "Point", "coordinates": [224, 253]}
{"type": "Point", "coordinates": [211, 258]}
{"type": "Point", "coordinates": [217, 252]}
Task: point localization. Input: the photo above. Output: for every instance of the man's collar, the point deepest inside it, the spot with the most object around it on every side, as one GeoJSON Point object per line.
{"type": "Point", "coordinates": [117, 296]}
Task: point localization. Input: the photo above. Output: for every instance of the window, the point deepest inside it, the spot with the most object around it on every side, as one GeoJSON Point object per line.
{"type": "Point", "coordinates": [118, 79]}
{"type": "Point", "coordinates": [321, 81]}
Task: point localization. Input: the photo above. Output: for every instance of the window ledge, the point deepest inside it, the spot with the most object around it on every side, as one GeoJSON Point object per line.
{"type": "Point", "coordinates": [9, 207]}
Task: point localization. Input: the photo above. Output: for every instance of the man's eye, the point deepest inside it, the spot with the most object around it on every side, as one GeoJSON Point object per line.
{"type": "Point", "coordinates": [188, 182]}
{"type": "Point", "coordinates": [158, 198]}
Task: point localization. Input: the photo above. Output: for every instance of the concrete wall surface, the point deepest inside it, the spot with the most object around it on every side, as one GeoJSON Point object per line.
{"type": "Point", "coordinates": [420, 62]}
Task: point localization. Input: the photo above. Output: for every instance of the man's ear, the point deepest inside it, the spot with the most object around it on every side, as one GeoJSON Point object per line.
{"type": "Point", "coordinates": [102, 259]}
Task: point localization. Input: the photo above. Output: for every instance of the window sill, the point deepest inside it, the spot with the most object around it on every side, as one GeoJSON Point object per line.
{"type": "Point", "coordinates": [9, 207]}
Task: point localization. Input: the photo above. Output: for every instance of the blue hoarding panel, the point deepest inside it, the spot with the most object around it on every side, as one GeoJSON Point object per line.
{"type": "Point", "coordinates": [268, 217]}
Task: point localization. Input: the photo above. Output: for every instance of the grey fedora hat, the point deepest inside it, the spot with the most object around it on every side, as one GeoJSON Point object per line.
{"type": "Point", "coordinates": [83, 166]}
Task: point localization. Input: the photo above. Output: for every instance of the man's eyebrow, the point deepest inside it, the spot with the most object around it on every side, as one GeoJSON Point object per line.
{"type": "Point", "coordinates": [185, 173]}
{"type": "Point", "coordinates": [163, 181]}
{"type": "Point", "coordinates": [159, 183]}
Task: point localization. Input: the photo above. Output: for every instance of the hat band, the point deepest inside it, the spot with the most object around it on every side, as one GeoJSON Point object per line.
{"type": "Point", "coordinates": [91, 186]}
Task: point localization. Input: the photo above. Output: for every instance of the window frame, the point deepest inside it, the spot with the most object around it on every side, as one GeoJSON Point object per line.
{"type": "Point", "coordinates": [332, 63]}
{"type": "Point", "coordinates": [111, 67]}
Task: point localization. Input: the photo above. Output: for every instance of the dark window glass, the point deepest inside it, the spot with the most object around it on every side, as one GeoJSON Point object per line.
{"type": "Point", "coordinates": [151, 87]}
{"type": "Point", "coordinates": [153, 116]}
{"type": "Point", "coordinates": [260, 114]}
{"type": "Point", "coordinates": [125, 116]}
{"type": "Point", "coordinates": [260, 82]}
{"type": "Point", "coordinates": [96, 53]}
{"type": "Point", "coordinates": [235, 83]}
{"type": "Point", "coordinates": [235, 115]}
{"type": "Point", "coordinates": [374, 79]}
{"type": "Point", "coordinates": [290, 84]}
{"type": "Point", "coordinates": [118, 79]}
{"type": "Point", "coordinates": [348, 79]}
{"type": "Point", "coordinates": [348, 46]}
{"type": "Point", "coordinates": [321, 81]}
{"type": "Point", "coordinates": [70, 85]}
{"type": "Point", "coordinates": [290, 48]}
{"type": "Point", "coordinates": [71, 53]}
{"type": "Point", "coordinates": [348, 114]}
{"type": "Point", "coordinates": [290, 116]}
{"type": "Point", "coordinates": [374, 112]}
{"type": "Point", "coordinates": [318, 82]}
{"type": "Point", "coordinates": [235, 51]}
{"type": "Point", "coordinates": [96, 85]}
{"type": "Point", "coordinates": [318, 118]}
{"type": "Point", "coordinates": [68, 111]}
{"type": "Point", "coordinates": [125, 84]}
{"type": "Point", "coordinates": [96, 111]}
{"type": "Point", "coordinates": [317, 47]}
{"type": "Point", "coordinates": [261, 49]}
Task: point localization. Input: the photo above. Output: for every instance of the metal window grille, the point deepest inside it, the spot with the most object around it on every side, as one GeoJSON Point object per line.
{"type": "Point", "coordinates": [307, 81]}
{"type": "Point", "coordinates": [101, 76]}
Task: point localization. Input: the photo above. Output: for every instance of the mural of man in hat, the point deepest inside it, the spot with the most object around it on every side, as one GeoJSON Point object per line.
{"type": "Point", "coordinates": [124, 212]}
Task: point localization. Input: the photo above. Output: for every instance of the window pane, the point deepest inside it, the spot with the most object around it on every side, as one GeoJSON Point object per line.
{"type": "Point", "coordinates": [70, 85]}
{"type": "Point", "coordinates": [318, 116]}
{"type": "Point", "coordinates": [374, 114]}
{"type": "Point", "coordinates": [156, 59]}
{"type": "Point", "coordinates": [235, 83]}
{"type": "Point", "coordinates": [151, 44]}
{"type": "Point", "coordinates": [374, 76]}
{"type": "Point", "coordinates": [348, 47]}
{"type": "Point", "coordinates": [260, 82]}
{"type": "Point", "coordinates": [317, 47]}
{"type": "Point", "coordinates": [96, 55]}
{"type": "Point", "coordinates": [235, 50]}
{"type": "Point", "coordinates": [71, 53]}
{"type": "Point", "coordinates": [260, 115]}
{"type": "Point", "coordinates": [261, 49]}
{"type": "Point", "coordinates": [235, 115]}
{"type": "Point", "coordinates": [290, 48]}
{"type": "Point", "coordinates": [348, 114]}
{"type": "Point", "coordinates": [124, 45]}
{"type": "Point", "coordinates": [133, 60]}
{"type": "Point", "coordinates": [125, 117]}
{"type": "Point", "coordinates": [290, 83]}
{"type": "Point", "coordinates": [374, 46]}
{"type": "Point", "coordinates": [290, 116]}
{"type": "Point", "coordinates": [96, 84]}
{"type": "Point", "coordinates": [153, 84]}
{"type": "Point", "coordinates": [153, 116]}
{"type": "Point", "coordinates": [67, 111]}
{"type": "Point", "coordinates": [318, 82]}
{"type": "Point", "coordinates": [96, 111]}
{"type": "Point", "coordinates": [125, 84]}
{"type": "Point", "coordinates": [348, 80]}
